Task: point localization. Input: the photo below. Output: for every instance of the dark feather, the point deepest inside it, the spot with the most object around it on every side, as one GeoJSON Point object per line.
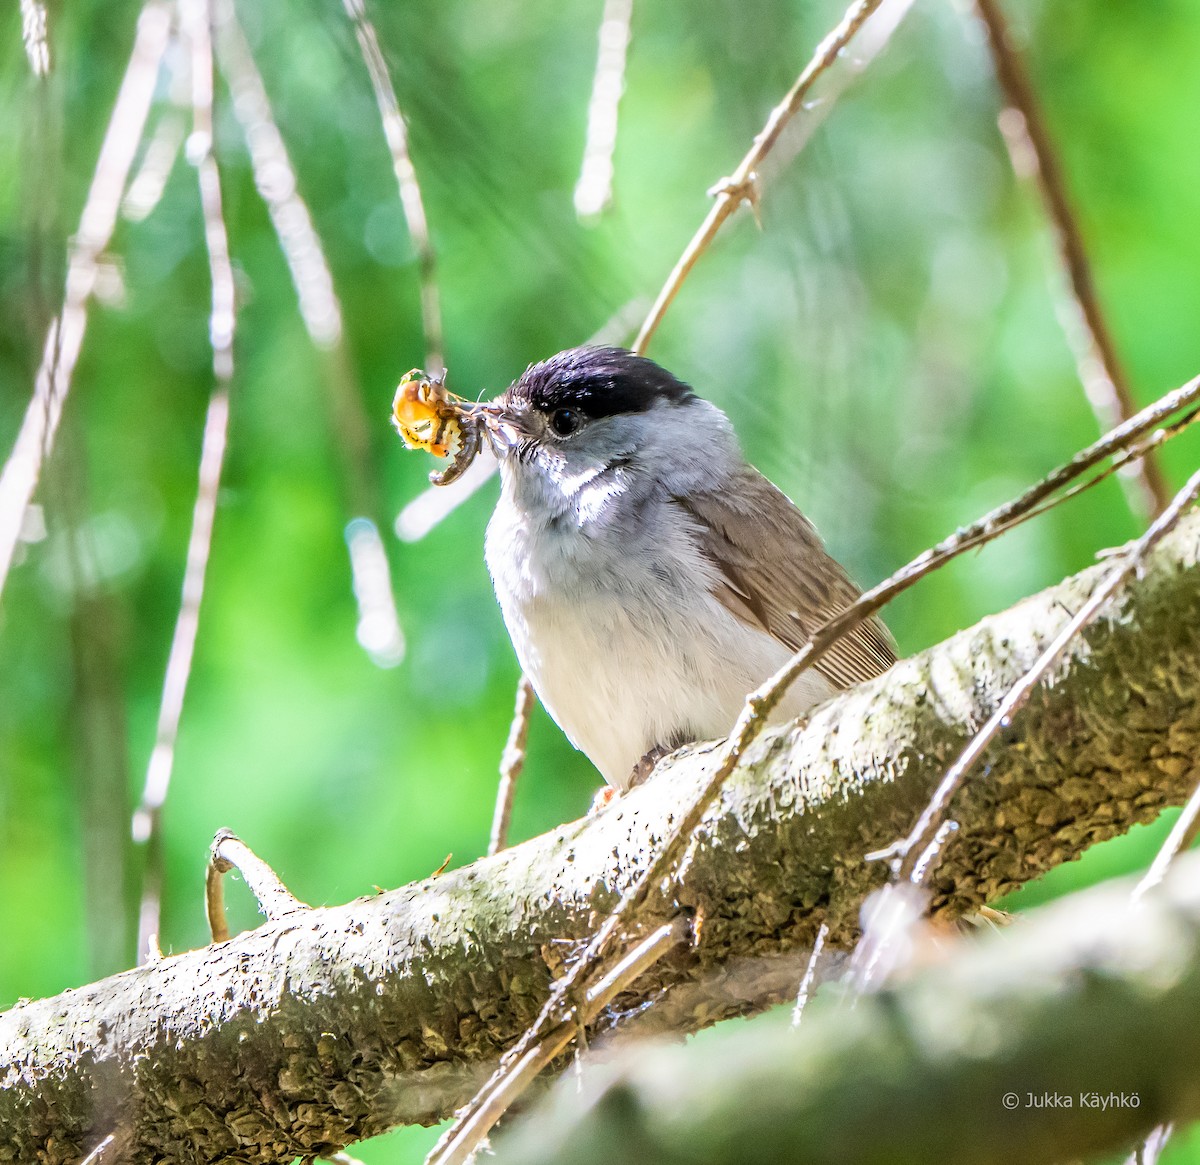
{"type": "Point", "coordinates": [599, 382]}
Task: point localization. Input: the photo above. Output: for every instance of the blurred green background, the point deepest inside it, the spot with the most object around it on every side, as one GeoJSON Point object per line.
{"type": "Point", "coordinates": [887, 346]}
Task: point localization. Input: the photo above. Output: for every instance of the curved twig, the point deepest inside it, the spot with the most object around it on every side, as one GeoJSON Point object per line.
{"type": "Point", "coordinates": [229, 852]}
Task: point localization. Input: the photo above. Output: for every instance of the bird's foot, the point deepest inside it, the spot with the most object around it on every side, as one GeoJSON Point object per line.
{"type": "Point", "coordinates": [607, 793]}
{"type": "Point", "coordinates": [645, 766]}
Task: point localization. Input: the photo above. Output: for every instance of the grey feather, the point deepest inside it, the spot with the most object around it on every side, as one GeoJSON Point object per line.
{"type": "Point", "coordinates": [792, 590]}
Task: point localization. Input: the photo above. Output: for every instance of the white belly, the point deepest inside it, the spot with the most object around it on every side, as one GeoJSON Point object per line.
{"type": "Point", "coordinates": [631, 654]}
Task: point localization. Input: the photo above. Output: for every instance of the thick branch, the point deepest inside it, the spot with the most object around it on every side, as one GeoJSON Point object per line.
{"type": "Point", "coordinates": [334, 1024]}
{"type": "Point", "coordinates": [1063, 1037]}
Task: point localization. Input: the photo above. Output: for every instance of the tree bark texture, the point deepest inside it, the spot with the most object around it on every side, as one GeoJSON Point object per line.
{"type": "Point", "coordinates": [1065, 1035]}
{"type": "Point", "coordinates": [337, 1023]}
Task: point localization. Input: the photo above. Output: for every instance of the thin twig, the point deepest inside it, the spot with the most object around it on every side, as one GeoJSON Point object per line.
{"type": "Point", "coordinates": [870, 41]}
{"type": "Point", "coordinates": [760, 703]}
{"type": "Point", "coordinates": [810, 974]}
{"type": "Point", "coordinates": [275, 180]}
{"type": "Point", "coordinates": [229, 852]}
{"type": "Point", "coordinates": [1120, 460]}
{"type": "Point", "coordinates": [892, 917]}
{"type": "Point", "coordinates": [932, 853]}
{"type": "Point", "coordinates": [166, 142]}
{"type": "Point", "coordinates": [33, 33]}
{"type": "Point", "coordinates": [195, 16]}
{"type": "Point", "coordinates": [378, 629]}
{"type": "Point", "coordinates": [436, 503]}
{"type": "Point", "coordinates": [98, 1153]}
{"type": "Point", "coordinates": [108, 1149]}
{"type": "Point", "coordinates": [396, 133]}
{"type": "Point", "coordinates": [742, 185]}
{"type": "Point", "coordinates": [1033, 153]}
{"type": "Point", "coordinates": [930, 821]}
{"type": "Point", "coordinates": [464, 1137]}
{"type": "Point", "coordinates": [214, 903]}
{"type": "Point", "coordinates": [593, 191]}
{"type": "Point", "coordinates": [512, 760]}
{"type": "Point", "coordinates": [1183, 833]}
{"type": "Point", "coordinates": [65, 336]}
{"type": "Point", "coordinates": [146, 189]}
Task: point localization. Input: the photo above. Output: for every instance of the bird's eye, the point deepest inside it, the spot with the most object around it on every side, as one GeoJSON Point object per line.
{"type": "Point", "coordinates": [564, 422]}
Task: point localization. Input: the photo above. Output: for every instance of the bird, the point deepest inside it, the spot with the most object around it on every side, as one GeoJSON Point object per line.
{"type": "Point", "coordinates": [649, 577]}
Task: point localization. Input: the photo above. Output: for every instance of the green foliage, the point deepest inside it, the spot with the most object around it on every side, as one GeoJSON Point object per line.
{"type": "Point", "coordinates": [886, 345]}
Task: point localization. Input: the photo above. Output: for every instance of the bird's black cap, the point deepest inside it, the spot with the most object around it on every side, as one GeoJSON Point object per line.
{"type": "Point", "coordinates": [599, 382]}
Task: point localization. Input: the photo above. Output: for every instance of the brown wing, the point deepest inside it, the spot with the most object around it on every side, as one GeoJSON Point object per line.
{"type": "Point", "coordinates": [790, 591]}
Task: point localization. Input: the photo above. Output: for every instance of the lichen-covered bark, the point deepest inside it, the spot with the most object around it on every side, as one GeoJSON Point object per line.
{"type": "Point", "coordinates": [1051, 1041]}
{"type": "Point", "coordinates": [337, 1023]}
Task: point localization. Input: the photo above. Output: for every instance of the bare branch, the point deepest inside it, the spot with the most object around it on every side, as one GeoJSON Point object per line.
{"type": "Point", "coordinates": [593, 191]}
{"type": "Point", "coordinates": [379, 630]}
{"type": "Point", "coordinates": [512, 761]}
{"type": "Point", "coordinates": [1033, 154]}
{"type": "Point", "coordinates": [434, 505]}
{"type": "Point", "coordinates": [195, 17]}
{"type": "Point", "coordinates": [810, 974]}
{"type": "Point", "coordinates": [65, 337]}
{"type": "Point", "coordinates": [1089, 999]}
{"type": "Point", "coordinates": [33, 33]}
{"type": "Point", "coordinates": [396, 133]}
{"type": "Point", "coordinates": [932, 820]}
{"type": "Point", "coordinates": [275, 180]}
{"type": "Point", "coordinates": [158, 161]}
{"type": "Point", "coordinates": [106, 1150]}
{"type": "Point", "coordinates": [742, 185]}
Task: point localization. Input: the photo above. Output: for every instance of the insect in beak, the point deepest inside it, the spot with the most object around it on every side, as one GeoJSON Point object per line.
{"type": "Point", "coordinates": [429, 417]}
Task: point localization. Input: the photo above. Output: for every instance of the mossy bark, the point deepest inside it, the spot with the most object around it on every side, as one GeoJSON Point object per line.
{"type": "Point", "coordinates": [337, 1023]}
{"type": "Point", "coordinates": [1068, 1035]}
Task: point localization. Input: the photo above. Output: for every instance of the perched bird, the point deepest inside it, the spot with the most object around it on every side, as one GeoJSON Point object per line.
{"type": "Point", "coordinates": [649, 577]}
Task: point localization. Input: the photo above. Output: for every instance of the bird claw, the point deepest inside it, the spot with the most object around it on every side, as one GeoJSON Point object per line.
{"type": "Point", "coordinates": [646, 765]}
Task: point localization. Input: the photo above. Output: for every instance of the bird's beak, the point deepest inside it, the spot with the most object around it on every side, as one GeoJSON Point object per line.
{"type": "Point", "coordinates": [503, 426]}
